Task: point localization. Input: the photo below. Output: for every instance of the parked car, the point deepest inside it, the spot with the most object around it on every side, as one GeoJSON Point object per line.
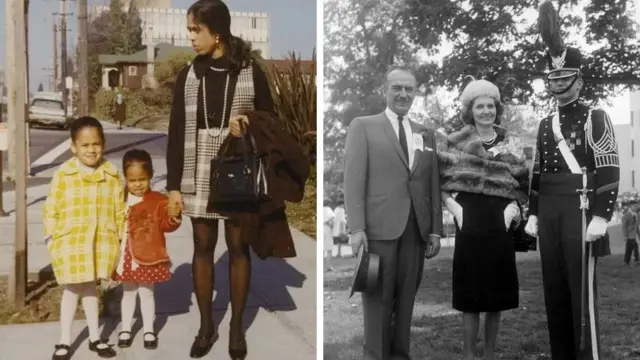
{"type": "Point", "coordinates": [48, 109]}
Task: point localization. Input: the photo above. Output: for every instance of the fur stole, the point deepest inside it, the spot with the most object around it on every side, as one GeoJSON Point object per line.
{"type": "Point", "coordinates": [466, 166]}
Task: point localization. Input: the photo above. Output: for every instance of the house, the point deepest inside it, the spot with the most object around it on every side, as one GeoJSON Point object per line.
{"type": "Point", "coordinates": [130, 71]}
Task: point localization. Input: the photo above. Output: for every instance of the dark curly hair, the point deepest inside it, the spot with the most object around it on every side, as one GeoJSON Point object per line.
{"type": "Point", "coordinates": [215, 15]}
{"type": "Point", "coordinates": [467, 113]}
{"type": "Point", "coordinates": [85, 122]}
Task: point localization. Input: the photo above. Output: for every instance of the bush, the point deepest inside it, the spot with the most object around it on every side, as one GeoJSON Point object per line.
{"type": "Point", "coordinates": [140, 103]}
{"type": "Point", "coordinates": [294, 95]}
{"type": "Point", "coordinates": [167, 71]}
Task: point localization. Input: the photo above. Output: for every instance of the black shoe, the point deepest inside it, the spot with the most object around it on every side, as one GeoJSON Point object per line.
{"type": "Point", "coordinates": [124, 343]}
{"type": "Point", "coordinates": [106, 352]}
{"type": "Point", "coordinates": [66, 356]}
{"type": "Point", "coordinates": [151, 344]}
{"type": "Point", "coordinates": [238, 349]}
{"type": "Point", "coordinates": [202, 345]}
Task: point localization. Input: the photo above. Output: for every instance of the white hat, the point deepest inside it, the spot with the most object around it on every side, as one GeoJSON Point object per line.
{"type": "Point", "coordinates": [479, 88]}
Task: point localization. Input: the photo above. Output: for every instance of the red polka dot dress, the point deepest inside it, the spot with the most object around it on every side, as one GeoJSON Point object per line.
{"type": "Point", "coordinates": [130, 271]}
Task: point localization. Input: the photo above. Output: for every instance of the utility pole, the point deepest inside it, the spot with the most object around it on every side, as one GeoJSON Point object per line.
{"type": "Point", "coordinates": [83, 59]}
{"type": "Point", "coordinates": [55, 54]}
{"type": "Point", "coordinates": [16, 39]}
{"type": "Point", "coordinates": [2, 107]}
{"type": "Point", "coordinates": [63, 51]}
{"type": "Point", "coordinates": [27, 79]}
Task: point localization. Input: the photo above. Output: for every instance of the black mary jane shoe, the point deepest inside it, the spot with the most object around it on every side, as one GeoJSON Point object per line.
{"type": "Point", "coordinates": [151, 344]}
{"type": "Point", "coordinates": [106, 352]}
{"type": "Point", "coordinates": [66, 356]}
{"type": "Point", "coordinates": [238, 349]}
{"type": "Point", "coordinates": [124, 343]}
{"type": "Point", "coordinates": [202, 345]}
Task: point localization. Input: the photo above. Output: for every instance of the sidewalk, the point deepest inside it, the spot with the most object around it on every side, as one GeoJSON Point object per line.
{"type": "Point", "coordinates": [281, 310]}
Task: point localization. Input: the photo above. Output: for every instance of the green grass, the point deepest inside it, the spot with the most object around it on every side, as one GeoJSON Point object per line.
{"type": "Point", "coordinates": [437, 328]}
{"type": "Point", "coordinates": [302, 215]}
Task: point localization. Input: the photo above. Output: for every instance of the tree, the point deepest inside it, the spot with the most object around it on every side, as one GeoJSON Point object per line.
{"type": "Point", "coordinates": [115, 31]}
{"type": "Point", "coordinates": [167, 71]}
{"type": "Point", "coordinates": [40, 87]}
{"type": "Point", "coordinates": [492, 39]}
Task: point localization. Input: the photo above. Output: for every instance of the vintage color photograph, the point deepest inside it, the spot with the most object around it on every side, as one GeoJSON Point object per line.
{"type": "Point", "coordinates": [158, 193]}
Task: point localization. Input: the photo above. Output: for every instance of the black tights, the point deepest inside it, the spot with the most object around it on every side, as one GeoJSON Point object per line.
{"type": "Point", "coordinates": [205, 237]}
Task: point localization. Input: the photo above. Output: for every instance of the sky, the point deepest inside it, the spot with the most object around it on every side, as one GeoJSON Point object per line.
{"type": "Point", "coordinates": [292, 27]}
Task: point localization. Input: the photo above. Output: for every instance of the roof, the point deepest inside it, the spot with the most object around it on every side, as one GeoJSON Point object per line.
{"type": "Point", "coordinates": [163, 51]}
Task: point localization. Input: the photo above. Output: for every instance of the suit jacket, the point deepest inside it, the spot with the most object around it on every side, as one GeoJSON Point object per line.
{"type": "Point", "coordinates": [379, 186]}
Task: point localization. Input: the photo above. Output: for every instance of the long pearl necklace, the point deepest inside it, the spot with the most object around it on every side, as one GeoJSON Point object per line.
{"type": "Point", "coordinates": [215, 132]}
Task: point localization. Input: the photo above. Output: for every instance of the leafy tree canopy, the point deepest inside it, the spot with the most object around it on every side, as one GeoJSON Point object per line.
{"type": "Point", "coordinates": [443, 41]}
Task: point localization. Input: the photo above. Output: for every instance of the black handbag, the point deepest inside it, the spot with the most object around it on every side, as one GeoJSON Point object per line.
{"type": "Point", "coordinates": [523, 242]}
{"type": "Point", "coordinates": [240, 179]}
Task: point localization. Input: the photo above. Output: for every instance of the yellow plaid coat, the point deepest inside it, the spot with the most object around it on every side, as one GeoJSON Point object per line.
{"type": "Point", "coordinates": [83, 216]}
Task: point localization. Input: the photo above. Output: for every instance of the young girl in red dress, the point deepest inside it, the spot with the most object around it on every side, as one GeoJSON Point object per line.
{"type": "Point", "coordinates": [144, 260]}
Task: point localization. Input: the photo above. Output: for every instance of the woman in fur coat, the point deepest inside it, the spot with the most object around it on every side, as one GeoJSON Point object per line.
{"type": "Point", "coordinates": [482, 183]}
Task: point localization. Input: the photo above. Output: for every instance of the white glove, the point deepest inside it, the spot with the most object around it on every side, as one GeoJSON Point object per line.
{"type": "Point", "coordinates": [597, 228]}
{"type": "Point", "coordinates": [532, 226]}
{"type": "Point", "coordinates": [510, 212]}
{"type": "Point", "coordinates": [455, 209]}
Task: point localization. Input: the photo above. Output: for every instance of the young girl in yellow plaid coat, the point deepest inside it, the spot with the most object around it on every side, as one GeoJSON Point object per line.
{"type": "Point", "coordinates": [83, 219]}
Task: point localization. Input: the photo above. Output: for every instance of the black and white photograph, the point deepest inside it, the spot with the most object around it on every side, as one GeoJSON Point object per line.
{"type": "Point", "coordinates": [480, 179]}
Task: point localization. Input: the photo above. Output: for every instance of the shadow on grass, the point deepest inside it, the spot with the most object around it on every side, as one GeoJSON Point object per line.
{"type": "Point", "coordinates": [437, 329]}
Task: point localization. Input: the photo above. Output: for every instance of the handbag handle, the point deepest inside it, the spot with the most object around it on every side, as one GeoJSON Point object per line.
{"type": "Point", "coordinates": [252, 140]}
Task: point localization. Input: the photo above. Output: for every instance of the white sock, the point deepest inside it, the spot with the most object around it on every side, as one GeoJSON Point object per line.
{"type": "Point", "coordinates": [147, 307]}
{"type": "Point", "coordinates": [90, 305]}
{"type": "Point", "coordinates": [128, 306]}
{"type": "Point", "coordinates": [68, 307]}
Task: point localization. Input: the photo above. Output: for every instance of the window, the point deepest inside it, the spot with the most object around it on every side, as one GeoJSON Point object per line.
{"type": "Point", "coordinates": [631, 118]}
{"type": "Point", "coordinates": [633, 179]}
{"type": "Point", "coordinates": [254, 23]}
{"type": "Point", "coordinates": [632, 148]}
{"type": "Point", "coordinates": [48, 104]}
{"type": "Point", "coordinates": [133, 71]}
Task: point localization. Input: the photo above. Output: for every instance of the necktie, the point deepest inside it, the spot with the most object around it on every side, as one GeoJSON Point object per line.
{"type": "Point", "coordinates": [403, 138]}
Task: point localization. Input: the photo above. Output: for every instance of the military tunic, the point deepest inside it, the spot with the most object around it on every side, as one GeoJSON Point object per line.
{"type": "Point", "coordinates": [554, 200]}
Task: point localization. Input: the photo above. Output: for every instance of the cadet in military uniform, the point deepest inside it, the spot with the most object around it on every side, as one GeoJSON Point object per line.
{"type": "Point", "coordinates": [576, 136]}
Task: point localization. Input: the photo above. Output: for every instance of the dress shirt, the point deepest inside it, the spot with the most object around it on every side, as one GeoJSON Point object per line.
{"type": "Point", "coordinates": [393, 118]}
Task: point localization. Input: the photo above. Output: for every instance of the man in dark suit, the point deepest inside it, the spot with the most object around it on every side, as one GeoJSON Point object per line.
{"type": "Point", "coordinates": [392, 193]}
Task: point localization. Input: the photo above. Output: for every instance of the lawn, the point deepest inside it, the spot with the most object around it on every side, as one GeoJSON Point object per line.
{"type": "Point", "coordinates": [437, 328]}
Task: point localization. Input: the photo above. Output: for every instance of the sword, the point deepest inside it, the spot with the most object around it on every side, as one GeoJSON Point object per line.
{"type": "Point", "coordinates": [584, 206]}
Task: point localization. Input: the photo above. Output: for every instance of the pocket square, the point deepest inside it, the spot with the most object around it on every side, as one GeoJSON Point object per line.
{"type": "Point", "coordinates": [426, 148]}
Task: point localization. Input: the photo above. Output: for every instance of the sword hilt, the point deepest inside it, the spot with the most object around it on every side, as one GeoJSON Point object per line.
{"type": "Point", "coordinates": [584, 201]}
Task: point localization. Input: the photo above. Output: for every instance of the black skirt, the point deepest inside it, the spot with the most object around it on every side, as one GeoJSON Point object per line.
{"type": "Point", "coordinates": [485, 277]}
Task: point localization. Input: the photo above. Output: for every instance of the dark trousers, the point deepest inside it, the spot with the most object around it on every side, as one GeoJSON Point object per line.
{"type": "Point", "coordinates": [388, 309]}
{"type": "Point", "coordinates": [560, 238]}
{"type": "Point", "coordinates": [632, 246]}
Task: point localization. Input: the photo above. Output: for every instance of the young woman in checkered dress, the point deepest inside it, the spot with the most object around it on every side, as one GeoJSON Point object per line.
{"type": "Point", "coordinates": [83, 215]}
{"type": "Point", "coordinates": [222, 81]}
